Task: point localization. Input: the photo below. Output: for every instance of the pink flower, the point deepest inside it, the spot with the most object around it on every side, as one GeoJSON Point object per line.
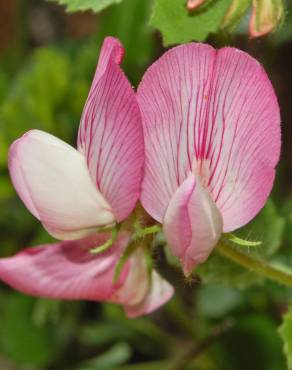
{"type": "Point", "coordinates": [68, 270]}
{"type": "Point", "coordinates": [73, 192]}
{"type": "Point", "coordinates": [212, 141]}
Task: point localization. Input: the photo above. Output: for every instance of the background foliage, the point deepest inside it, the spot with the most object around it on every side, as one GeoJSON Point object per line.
{"type": "Point", "coordinates": [225, 318]}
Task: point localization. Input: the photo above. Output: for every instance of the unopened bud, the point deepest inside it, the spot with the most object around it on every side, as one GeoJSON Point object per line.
{"type": "Point", "coordinates": [266, 16]}
{"type": "Point", "coordinates": [193, 4]}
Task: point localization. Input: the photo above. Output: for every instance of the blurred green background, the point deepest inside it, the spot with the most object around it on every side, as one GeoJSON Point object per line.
{"type": "Point", "coordinates": [225, 318]}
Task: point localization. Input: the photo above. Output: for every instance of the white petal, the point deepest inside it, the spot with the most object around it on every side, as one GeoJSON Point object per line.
{"type": "Point", "coordinates": [53, 180]}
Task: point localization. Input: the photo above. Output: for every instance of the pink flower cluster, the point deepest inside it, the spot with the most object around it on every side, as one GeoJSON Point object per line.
{"type": "Point", "coordinates": [197, 144]}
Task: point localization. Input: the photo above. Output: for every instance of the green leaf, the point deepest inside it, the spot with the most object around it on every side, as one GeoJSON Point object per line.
{"type": "Point", "coordinates": [81, 5]}
{"type": "Point", "coordinates": [115, 356]}
{"type": "Point", "coordinates": [234, 14]}
{"type": "Point", "coordinates": [129, 22]}
{"type": "Point", "coordinates": [28, 104]}
{"type": "Point", "coordinates": [253, 343]}
{"type": "Point", "coordinates": [157, 365]}
{"type": "Point", "coordinates": [226, 299]}
{"type": "Point", "coordinates": [268, 226]}
{"type": "Point", "coordinates": [285, 331]}
{"type": "Point", "coordinates": [219, 270]}
{"type": "Point", "coordinates": [21, 339]}
{"type": "Point", "coordinates": [178, 25]}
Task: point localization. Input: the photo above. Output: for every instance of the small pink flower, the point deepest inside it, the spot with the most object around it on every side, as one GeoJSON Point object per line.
{"type": "Point", "coordinates": [68, 270]}
{"type": "Point", "coordinates": [72, 192]}
{"type": "Point", "coordinates": [212, 141]}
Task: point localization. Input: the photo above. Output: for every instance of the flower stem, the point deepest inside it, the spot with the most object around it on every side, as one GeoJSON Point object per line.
{"type": "Point", "coordinates": [251, 263]}
{"type": "Point", "coordinates": [147, 231]}
{"type": "Point", "coordinates": [107, 244]}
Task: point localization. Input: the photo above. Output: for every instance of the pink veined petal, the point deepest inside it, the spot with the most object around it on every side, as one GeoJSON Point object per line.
{"type": "Point", "coordinates": [192, 224]}
{"type": "Point", "coordinates": [245, 144]}
{"type": "Point", "coordinates": [136, 284]}
{"type": "Point", "coordinates": [159, 293]}
{"type": "Point", "coordinates": [53, 181]}
{"type": "Point", "coordinates": [111, 133]}
{"type": "Point", "coordinates": [67, 270]}
{"type": "Point", "coordinates": [140, 293]}
{"type": "Point", "coordinates": [214, 113]}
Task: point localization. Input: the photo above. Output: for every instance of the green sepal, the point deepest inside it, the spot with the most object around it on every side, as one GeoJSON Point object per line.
{"type": "Point", "coordinates": [108, 244]}
{"type": "Point", "coordinates": [242, 242]}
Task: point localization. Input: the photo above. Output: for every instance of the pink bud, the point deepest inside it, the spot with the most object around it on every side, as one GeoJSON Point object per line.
{"type": "Point", "coordinates": [266, 15]}
{"type": "Point", "coordinates": [193, 4]}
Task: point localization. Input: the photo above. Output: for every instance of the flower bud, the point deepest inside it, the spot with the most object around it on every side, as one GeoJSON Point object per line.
{"type": "Point", "coordinates": [266, 16]}
{"type": "Point", "coordinates": [193, 4]}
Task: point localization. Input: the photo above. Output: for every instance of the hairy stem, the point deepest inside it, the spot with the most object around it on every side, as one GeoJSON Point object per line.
{"type": "Point", "coordinates": [251, 263]}
{"type": "Point", "coordinates": [147, 231]}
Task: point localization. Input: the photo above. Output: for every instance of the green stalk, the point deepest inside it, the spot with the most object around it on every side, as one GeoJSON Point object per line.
{"type": "Point", "coordinates": [147, 231]}
{"type": "Point", "coordinates": [251, 263]}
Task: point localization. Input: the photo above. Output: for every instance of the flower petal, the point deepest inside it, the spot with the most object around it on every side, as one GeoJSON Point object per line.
{"type": "Point", "coordinates": [67, 270]}
{"type": "Point", "coordinates": [136, 285]}
{"type": "Point", "coordinates": [159, 292]}
{"type": "Point", "coordinates": [111, 133]}
{"type": "Point", "coordinates": [172, 101]}
{"type": "Point", "coordinates": [192, 223]}
{"type": "Point", "coordinates": [140, 293]}
{"type": "Point", "coordinates": [213, 113]}
{"type": "Point", "coordinates": [53, 181]}
{"type": "Point", "coordinates": [244, 147]}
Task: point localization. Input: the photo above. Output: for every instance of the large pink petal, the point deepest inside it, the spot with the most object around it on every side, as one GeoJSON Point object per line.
{"type": "Point", "coordinates": [111, 134]}
{"type": "Point", "coordinates": [213, 113]}
{"type": "Point", "coordinates": [53, 181]}
{"type": "Point", "coordinates": [243, 142]}
{"type": "Point", "coordinates": [192, 223]}
{"type": "Point", "coordinates": [67, 270]}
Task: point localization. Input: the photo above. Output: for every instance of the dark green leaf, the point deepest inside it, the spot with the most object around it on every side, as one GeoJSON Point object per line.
{"type": "Point", "coordinates": [21, 339]}
{"type": "Point", "coordinates": [215, 301]}
{"type": "Point", "coordinates": [219, 270]}
{"type": "Point", "coordinates": [285, 331]}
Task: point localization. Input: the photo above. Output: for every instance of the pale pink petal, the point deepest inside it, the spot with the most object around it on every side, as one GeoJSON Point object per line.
{"type": "Point", "coordinates": [141, 293]}
{"type": "Point", "coordinates": [213, 113]}
{"type": "Point", "coordinates": [67, 270]}
{"type": "Point", "coordinates": [111, 134]}
{"type": "Point", "coordinates": [159, 293]}
{"type": "Point", "coordinates": [192, 224]}
{"type": "Point", "coordinates": [136, 285]}
{"type": "Point", "coordinates": [53, 181]}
